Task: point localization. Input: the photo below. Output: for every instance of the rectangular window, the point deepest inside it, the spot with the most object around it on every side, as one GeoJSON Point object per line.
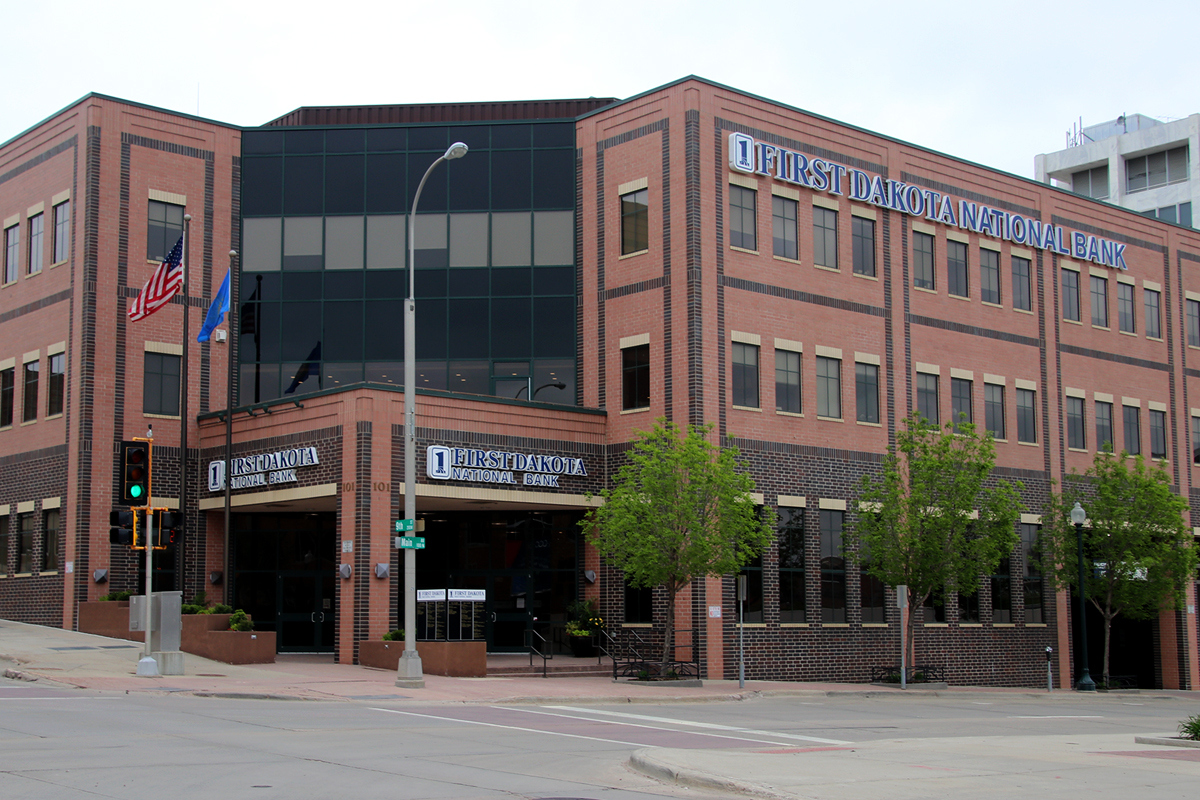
{"type": "Point", "coordinates": [160, 388]}
{"type": "Point", "coordinates": [25, 543]}
{"type": "Point", "coordinates": [50, 540]}
{"type": "Point", "coordinates": [752, 610]}
{"type": "Point", "coordinates": [3, 545]}
{"type": "Point", "coordinates": [1091, 182]}
{"type": "Point", "coordinates": [870, 592]}
{"type": "Point", "coordinates": [745, 375]}
{"type": "Point", "coordinates": [1196, 440]}
{"type": "Point", "coordinates": [923, 270]}
{"type": "Point", "coordinates": [960, 401]}
{"type": "Point", "coordinates": [742, 219]}
{"type": "Point", "coordinates": [829, 387]}
{"type": "Point", "coordinates": [1027, 416]}
{"type": "Point", "coordinates": [1076, 436]}
{"type": "Point", "coordinates": [1022, 295]}
{"type": "Point", "coordinates": [866, 390]}
{"type": "Point", "coordinates": [36, 231]}
{"type": "Point", "coordinates": [12, 252]}
{"type": "Point", "coordinates": [787, 381]}
{"type": "Point", "coordinates": [1193, 323]}
{"type": "Point", "coordinates": [165, 226]}
{"type": "Point", "coordinates": [55, 386]}
{"type": "Point", "coordinates": [1131, 419]}
{"type": "Point", "coordinates": [1104, 426]}
{"type": "Point", "coordinates": [29, 391]}
{"type": "Point", "coordinates": [968, 608]}
{"type": "Point", "coordinates": [862, 239]}
{"type": "Point", "coordinates": [791, 565]}
{"type": "Point", "coordinates": [1070, 299]}
{"type": "Point", "coordinates": [1156, 169]}
{"type": "Point", "coordinates": [1099, 301]}
{"type": "Point", "coordinates": [989, 276]}
{"type": "Point", "coordinates": [62, 232]}
{"type": "Point", "coordinates": [927, 398]}
{"type": "Point", "coordinates": [825, 237]}
{"type": "Point", "coordinates": [784, 232]}
{"type": "Point", "coordinates": [1125, 318]}
{"type": "Point", "coordinates": [639, 604]}
{"type": "Point", "coordinates": [1158, 434]}
{"type": "Point", "coordinates": [7, 396]}
{"type": "Point", "coordinates": [635, 377]}
{"type": "Point", "coordinates": [1002, 593]}
{"type": "Point", "coordinates": [993, 409]}
{"type": "Point", "coordinates": [956, 269]}
{"type": "Point", "coordinates": [935, 607]}
{"type": "Point", "coordinates": [635, 222]}
{"type": "Point", "coordinates": [833, 568]}
{"type": "Point", "coordinates": [1153, 326]}
{"type": "Point", "coordinates": [1033, 574]}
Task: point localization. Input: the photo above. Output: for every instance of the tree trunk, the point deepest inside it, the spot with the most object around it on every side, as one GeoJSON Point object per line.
{"type": "Point", "coordinates": [669, 634]}
{"type": "Point", "coordinates": [1107, 633]}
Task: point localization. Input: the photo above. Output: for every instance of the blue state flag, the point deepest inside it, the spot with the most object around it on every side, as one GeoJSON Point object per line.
{"type": "Point", "coordinates": [216, 312]}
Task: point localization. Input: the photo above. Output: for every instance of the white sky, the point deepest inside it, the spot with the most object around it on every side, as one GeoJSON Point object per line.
{"type": "Point", "coordinates": [994, 83]}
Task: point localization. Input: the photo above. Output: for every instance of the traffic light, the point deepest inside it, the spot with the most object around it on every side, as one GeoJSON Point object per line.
{"type": "Point", "coordinates": [168, 528]}
{"type": "Point", "coordinates": [124, 528]}
{"type": "Point", "coordinates": [135, 473]}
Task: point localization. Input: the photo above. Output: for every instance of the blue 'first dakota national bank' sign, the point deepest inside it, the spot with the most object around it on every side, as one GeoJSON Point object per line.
{"type": "Point", "coordinates": [751, 157]}
{"type": "Point", "coordinates": [497, 466]}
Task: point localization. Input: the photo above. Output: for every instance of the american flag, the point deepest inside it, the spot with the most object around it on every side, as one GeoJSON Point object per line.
{"type": "Point", "coordinates": [162, 286]}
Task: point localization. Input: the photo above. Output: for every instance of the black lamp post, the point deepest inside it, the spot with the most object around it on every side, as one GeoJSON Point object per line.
{"type": "Point", "coordinates": [1085, 683]}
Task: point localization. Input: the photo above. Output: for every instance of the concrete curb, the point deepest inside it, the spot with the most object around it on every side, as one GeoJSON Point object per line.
{"type": "Point", "coordinates": [644, 762]}
{"type": "Point", "coordinates": [1168, 741]}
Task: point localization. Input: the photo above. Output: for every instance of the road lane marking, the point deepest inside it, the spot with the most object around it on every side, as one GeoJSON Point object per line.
{"type": "Point", "coordinates": [708, 725]}
{"type": "Point", "coordinates": [511, 727]}
{"type": "Point", "coordinates": [1058, 716]}
{"type": "Point", "coordinates": [638, 725]}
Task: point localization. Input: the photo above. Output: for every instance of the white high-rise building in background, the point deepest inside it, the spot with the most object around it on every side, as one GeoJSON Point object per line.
{"type": "Point", "coordinates": [1132, 161]}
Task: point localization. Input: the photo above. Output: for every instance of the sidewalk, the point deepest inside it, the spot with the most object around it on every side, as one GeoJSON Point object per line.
{"type": "Point", "coordinates": [86, 661]}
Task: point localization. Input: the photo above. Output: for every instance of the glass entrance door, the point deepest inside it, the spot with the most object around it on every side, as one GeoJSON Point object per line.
{"type": "Point", "coordinates": [284, 577]}
{"type": "Point", "coordinates": [305, 620]}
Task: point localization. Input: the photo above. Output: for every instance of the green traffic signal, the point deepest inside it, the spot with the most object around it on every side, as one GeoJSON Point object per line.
{"type": "Point", "coordinates": [135, 472]}
{"type": "Point", "coordinates": [135, 491]}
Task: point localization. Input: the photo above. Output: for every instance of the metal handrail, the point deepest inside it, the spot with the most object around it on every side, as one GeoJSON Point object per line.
{"type": "Point", "coordinates": [533, 650]}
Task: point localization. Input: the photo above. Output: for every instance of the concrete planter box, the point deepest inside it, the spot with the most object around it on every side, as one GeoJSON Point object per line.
{"type": "Point", "coordinates": [107, 618]}
{"type": "Point", "coordinates": [452, 659]}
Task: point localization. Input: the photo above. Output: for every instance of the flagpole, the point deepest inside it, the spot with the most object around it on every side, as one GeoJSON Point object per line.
{"type": "Point", "coordinates": [183, 414]}
{"type": "Point", "coordinates": [234, 282]}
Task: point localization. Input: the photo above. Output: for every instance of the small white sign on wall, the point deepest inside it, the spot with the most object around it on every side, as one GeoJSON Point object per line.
{"type": "Point", "coordinates": [347, 545]}
{"type": "Point", "coordinates": [714, 612]}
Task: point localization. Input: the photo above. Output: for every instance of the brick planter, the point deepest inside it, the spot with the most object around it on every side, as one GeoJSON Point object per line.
{"type": "Point", "coordinates": [453, 659]}
{"type": "Point", "coordinates": [107, 618]}
{"type": "Point", "coordinates": [235, 647]}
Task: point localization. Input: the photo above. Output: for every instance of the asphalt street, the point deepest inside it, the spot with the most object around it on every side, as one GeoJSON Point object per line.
{"type": "Point", "coordinates": [59, 742]}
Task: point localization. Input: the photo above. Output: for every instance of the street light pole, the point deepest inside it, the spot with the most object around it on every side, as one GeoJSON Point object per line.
{"type": "Point", "coordinates": [1085, 683]}
{"type": "Point", "coordinates": [408, 673]}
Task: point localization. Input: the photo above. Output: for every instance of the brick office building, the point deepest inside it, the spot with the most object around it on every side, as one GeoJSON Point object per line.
{"type": "Point", "coordinates": [617, 262]}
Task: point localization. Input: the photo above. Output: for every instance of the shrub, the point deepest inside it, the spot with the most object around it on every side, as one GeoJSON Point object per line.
{"type": "Point", "coordinates": [201, 599]}
{"type": "Point", "coordinates": [394, 636]}
{"type": "Point", "coordinates": [218, 608]}
{"type": "Point", "coordinates": [191, 608]}
{"type": "Point", "coordinates": [118, 596]}
{"type": "Point", "coordinates": [1190, 728]}
{"type": "Point", "coordinates": [240, 621]}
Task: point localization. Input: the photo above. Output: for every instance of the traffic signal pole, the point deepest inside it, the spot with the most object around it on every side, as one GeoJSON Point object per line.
{"type": "Point", "coordinates": [148, 667]}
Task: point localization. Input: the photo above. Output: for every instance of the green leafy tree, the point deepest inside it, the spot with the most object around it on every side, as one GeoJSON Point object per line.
{"type": "Point", "coordinates": [680, 509]}
{"type": "Point", "coordinates": [928, 522]}
{"type": "Point", "coordinates": [1135, 538]}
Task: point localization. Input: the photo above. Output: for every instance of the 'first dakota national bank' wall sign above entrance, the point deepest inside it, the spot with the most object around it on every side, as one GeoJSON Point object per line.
{"type": "Point", "coordinates": [265, 469]}
{"type": "Point", "coordinates": [760, 158]}
{"type": "Point", "coordinates": [498, 466]}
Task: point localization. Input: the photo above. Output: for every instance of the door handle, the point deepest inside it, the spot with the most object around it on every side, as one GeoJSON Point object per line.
{"type": "Point", "coordinates": [322, 619]}
{"type": "Point", "coordinates": [493, 616]}
{"type": "Point", "coordinates": [312, 617]}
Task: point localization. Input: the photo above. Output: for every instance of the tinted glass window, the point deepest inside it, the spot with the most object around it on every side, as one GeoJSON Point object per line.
{"type": "Point", "coordinates": [511, 179]}
{"type": "Point", "coordinates": [303, 185]}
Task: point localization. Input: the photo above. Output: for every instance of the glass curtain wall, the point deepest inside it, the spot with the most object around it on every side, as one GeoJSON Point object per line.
{"type": "Point", "coordinates": [324, 251]}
